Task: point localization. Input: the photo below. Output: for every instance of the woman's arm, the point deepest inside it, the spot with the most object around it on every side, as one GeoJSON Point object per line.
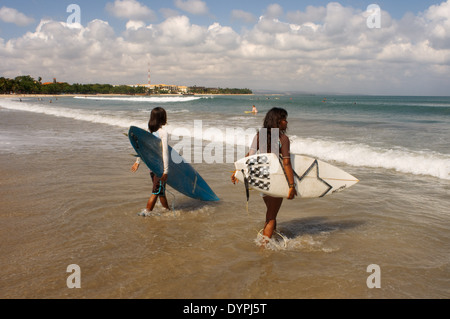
{"type": "Point", "coordinates": [136, 164]}
{"type": "Point", "coordinates": [290, 176]}
{"type": "Point", "coordinates": [286, 154]}
{"type": "Point", "coordinates": [165, 153]}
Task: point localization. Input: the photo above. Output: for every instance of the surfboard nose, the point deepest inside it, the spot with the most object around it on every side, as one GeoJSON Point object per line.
{"type": "Point", "coordinates": [133, 138]}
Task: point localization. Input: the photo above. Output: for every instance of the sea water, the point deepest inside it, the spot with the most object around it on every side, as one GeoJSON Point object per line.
{"type": "Point", "coordinates": [407, 134]}
{"type": "Point", "coordinates": [68, 197]}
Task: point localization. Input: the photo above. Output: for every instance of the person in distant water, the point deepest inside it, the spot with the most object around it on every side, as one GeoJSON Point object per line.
{"type": "Point", "coordinates": [254, 110]}
{"type": "Point", "coordinates": [275, 122]}
{"type": "Point", "coordinates": [158, 119]}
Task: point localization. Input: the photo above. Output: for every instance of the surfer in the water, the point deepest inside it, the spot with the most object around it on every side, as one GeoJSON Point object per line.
{"type": "Point", "coordinates": [158, 118]}
{"type": "Point", "coordinates": [275, 122]}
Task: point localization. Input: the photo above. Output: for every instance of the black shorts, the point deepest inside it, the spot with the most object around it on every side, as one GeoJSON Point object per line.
{"type": "Point", "coordinates": [159, 188]}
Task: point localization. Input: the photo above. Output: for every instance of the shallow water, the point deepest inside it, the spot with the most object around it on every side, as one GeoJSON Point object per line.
{"type": "Point", "coordinates": [68, 197]}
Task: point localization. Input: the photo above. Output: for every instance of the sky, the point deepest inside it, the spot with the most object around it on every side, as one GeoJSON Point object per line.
{"type": "Point", "coordinates": [341, 47]}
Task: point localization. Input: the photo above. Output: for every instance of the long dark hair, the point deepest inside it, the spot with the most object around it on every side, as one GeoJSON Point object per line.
{"type": "Point", "coordinates": [274, 117]}
{"type": "Point", "coordinates": [158, 118]}
{"type": "Point", "coordinates": [271, 121]}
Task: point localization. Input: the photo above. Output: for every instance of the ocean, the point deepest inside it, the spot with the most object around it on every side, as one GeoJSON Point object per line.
{"type": "Point", "coordinates": [68, 197]}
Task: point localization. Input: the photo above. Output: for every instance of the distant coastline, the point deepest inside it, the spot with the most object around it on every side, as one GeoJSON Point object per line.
{"type": "Point", "coordinates": [25, 84]}
{"type": "Point", "coordinates": [10, 96]}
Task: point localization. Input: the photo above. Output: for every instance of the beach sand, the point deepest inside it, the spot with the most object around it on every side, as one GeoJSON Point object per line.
{"type": "Point", "coordinates": [68, 197]}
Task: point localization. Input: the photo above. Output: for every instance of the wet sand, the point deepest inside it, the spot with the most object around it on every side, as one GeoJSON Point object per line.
{"type": "Point", "coordinates": [68, 197]}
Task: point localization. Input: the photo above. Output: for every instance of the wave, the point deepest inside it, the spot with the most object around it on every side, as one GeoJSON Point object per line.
{"type": "Point", "coordinates": [152, 99]}
{"type": "Point", "coordinates": [350, 153]}
{"type": "Point", "coordinates": [76, 114]}
{"type": "Point", "coordinates": [360, 155]}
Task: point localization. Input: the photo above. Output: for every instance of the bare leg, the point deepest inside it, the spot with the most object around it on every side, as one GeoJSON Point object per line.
{"type": "Point", "coordinates": [164, 202]}
{"type": "Point", "coordinates": [151, 202]}
{"type": "Point", "coordinates": [273, 205]}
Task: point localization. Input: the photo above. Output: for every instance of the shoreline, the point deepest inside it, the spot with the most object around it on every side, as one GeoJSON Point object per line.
{"type": "Point", "coordinates": [6, 96]}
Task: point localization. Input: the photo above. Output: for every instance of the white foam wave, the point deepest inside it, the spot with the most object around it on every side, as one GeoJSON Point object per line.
{"type": "Point", "coordinates": [280, 242]}
{"type": "Point", "coordinates": [354, 154]}
{"type": "Point", "coordinates": [152, 99]}
{"type": "Point", "coordinates": [360, 155]}
{"type": "Point", "coordinates": [76, 114]}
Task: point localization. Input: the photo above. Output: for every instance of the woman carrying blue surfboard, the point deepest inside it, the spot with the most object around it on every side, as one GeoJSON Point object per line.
{"type": "Point", "coordinates": [275, 122]}
{"type": "Point", "coordinates": [158, 118]}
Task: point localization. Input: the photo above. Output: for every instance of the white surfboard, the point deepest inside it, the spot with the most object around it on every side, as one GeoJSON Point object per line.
{"type": "Point", "coordinates": [314, 178]}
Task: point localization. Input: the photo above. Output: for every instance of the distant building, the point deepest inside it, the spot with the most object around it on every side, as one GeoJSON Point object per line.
{"type": "Point", "coordinates": [174, 89]}
{"type": "Point", "coordinates": [183, 89]}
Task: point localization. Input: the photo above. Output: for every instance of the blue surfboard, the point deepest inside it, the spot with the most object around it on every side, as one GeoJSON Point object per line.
{"type": "Point", "coordinates": [182, 176]}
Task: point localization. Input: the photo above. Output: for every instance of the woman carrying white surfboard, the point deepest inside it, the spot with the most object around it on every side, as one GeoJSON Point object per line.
{"type": "Point", "coordinates": [274, 130]}
{"type": "Point", "coordinates": [158, 118]}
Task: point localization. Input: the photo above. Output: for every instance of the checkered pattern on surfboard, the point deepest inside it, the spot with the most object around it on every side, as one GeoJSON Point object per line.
{"type": "Point", "coordinates": [263, 159]}
{"type": "Point", "coordinates": [258, 172]}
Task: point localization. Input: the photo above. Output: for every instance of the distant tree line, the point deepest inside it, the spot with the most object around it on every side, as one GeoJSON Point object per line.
{"type": "Point", "coordinates": [27, 85]}
{"type": "Point", "coordinates": [205, 90]}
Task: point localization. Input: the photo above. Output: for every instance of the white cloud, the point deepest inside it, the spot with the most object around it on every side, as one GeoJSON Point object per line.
{"type": "Point", "coordinates": [274, 11]}
{"type": "Point", "coordinates": [135, 25]}
{"type": "Point", "coordinates": [272, 26]}
{"type": "Point", "coordinates": [334, 50]}
{"type": "Point", "coordinates": [192, 6]}
{"type": "Point", "coordinates": [130, 9]}
{"type": "Point", "coordinates": [438, 18]}
{"type": "Point", "coordinates": [243, 16]}
{"type": "Point", "coordinates": [312, 14]}
{"type": "Point", "coordinates": [10, 15]}
{"type": "Point", "coordinates": [167, 12]}
{"type": "Point", "coordinates": [221, 38]}
{"type": "Point", "coordinates": [179, 32]}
